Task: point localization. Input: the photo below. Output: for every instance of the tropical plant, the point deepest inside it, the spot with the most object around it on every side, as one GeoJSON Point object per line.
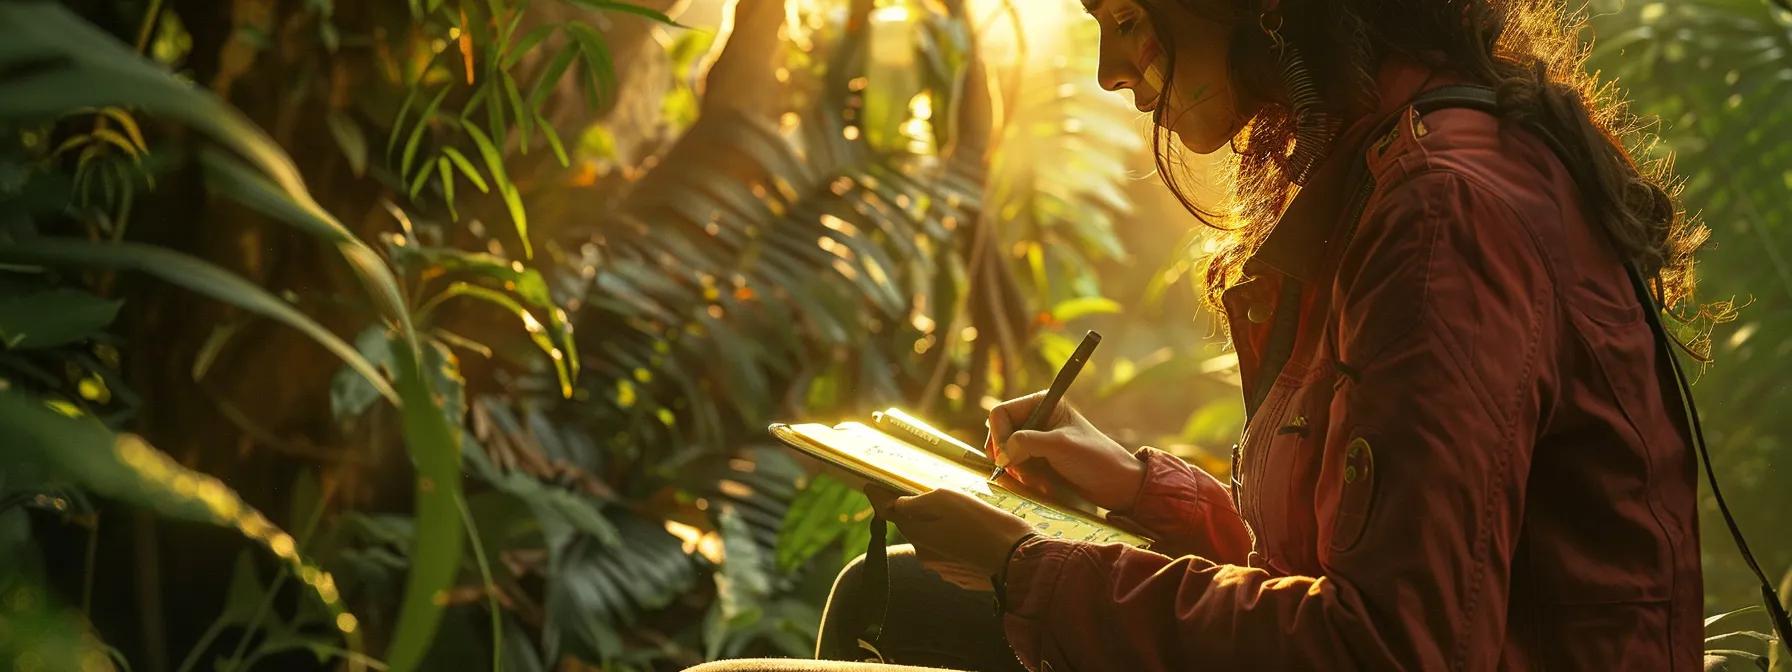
{"type": "Point", "coordinates": [55, 63]}
{"type": "Point", "coordinates": [777, 256]}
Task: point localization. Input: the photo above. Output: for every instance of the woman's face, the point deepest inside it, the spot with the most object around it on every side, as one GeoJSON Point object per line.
{"type": "Point", "coordinates": [1201, 109]}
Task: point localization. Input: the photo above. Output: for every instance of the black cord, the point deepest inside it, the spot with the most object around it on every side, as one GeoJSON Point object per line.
{"type": "Point", "coordinates": [1782, 625]}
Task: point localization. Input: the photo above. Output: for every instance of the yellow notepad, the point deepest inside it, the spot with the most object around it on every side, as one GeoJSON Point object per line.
{"type": "Point", "coordinates": [912, 457]}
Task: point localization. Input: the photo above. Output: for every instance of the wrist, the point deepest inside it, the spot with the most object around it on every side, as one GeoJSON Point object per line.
{"type": "Point", "coordinates": [995, 556]}
{"type": "Point", "coordinates": [1128, 480]}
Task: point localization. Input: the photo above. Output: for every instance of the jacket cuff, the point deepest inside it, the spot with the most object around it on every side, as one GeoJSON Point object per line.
{"type": "Point", "coordinates": [1169, 488]}
{"type": "Point", "coordinates": [1033, 573]}
{"type": "Point", "coordinates": [1185, 509]}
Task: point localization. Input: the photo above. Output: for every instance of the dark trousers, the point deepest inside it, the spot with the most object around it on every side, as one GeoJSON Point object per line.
{"type": "Point", "coordinates": [930, 625]}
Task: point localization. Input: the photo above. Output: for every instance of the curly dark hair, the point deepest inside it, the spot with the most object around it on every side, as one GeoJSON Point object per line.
{"type": "Point", "coordinates": [1530, 51]}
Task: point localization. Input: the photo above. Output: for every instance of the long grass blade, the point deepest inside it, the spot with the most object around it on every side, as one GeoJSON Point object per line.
{"type": "Point", "coordinates": [194, 274]}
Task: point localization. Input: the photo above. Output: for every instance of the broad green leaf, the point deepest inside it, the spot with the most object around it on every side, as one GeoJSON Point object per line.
{"type": "Point", "coordinates": [1072, 309]}
{"type": "Point", "coordinates": [854, 542]}
{"type": "Point", "coordinates": [1215, 423]}
{"type": "Point", "coordinates": [820, 514]}
{"type": "Point", "coordinates": [434, 446]}
{"type": "Point", "coordinates": [53, 317]}
{"type": "Point", "coordinates": [194, 274]}
{"type": "Point", "coordinates": [351, 394]}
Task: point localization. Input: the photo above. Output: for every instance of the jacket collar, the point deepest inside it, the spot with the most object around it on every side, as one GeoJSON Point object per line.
{"type": "Point", "coordinates": [1297, 244]}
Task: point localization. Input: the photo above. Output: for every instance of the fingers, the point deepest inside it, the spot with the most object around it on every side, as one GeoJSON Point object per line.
{"type": "Point", "coordinates": [1008, 415]}
{"type": "Point", "coordinates": [1016, 409]}
{"type": "Point", "coordinates": [883, 500]}
{"type": "Point", "coordinates": [1025, 445]}
{"type": "Point", "coordinates": [926, 507]}
{"type": "Point", "coordinates": [1004, 418]}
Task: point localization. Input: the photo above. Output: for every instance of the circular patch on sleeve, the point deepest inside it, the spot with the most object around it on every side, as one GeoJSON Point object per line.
{"type": "Point", "coordinates": [1356, 494]}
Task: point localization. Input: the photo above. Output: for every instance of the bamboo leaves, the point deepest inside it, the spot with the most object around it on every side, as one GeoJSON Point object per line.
{"type": "Point", "coordinates": [510, 104]}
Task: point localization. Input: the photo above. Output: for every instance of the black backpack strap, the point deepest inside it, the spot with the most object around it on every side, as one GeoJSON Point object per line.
{"type": "Point", "coordinates": [1471, 96]}
{"type": "Point", "coordinates": [864, 623]}
{"type": "Point", "coordinates": [1485, 99]}
{"type": "Point", "coordinates": [1775, 610]}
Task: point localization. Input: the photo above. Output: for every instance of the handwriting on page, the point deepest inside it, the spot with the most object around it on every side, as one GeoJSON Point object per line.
{"type": "Point", "coordinates": [1053, 523]}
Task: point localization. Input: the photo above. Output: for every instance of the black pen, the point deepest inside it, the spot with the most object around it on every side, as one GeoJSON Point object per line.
{"type": "Point", "coordinates": [1049, 405]}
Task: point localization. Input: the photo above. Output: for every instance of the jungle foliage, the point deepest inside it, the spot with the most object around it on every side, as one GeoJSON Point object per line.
{"type": "Point", "coordinates": [578, 343]}
{"type": "Point", "coordinates": [404, 335]}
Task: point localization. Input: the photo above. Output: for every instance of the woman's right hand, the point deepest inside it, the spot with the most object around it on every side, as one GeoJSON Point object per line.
{"type": "Point", "coordinates": [1096, 467]}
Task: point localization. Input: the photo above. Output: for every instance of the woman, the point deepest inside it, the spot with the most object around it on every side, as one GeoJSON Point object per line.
{"type": "Point", "coordinates": [1463, 449]}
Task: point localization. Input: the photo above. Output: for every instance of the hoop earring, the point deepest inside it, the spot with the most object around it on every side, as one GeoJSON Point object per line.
{"type": "Point", "coordinates": [1314, 127]}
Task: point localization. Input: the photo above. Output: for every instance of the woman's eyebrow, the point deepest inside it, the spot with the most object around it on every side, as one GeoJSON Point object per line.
{"type": "Point", "coordinates": [1091, 5]}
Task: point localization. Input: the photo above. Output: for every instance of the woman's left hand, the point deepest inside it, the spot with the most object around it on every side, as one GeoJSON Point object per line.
{"type": "Point", "coordinates": [957, 536]}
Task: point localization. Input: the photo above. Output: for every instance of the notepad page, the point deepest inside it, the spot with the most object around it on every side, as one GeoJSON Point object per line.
{"type": "Point", "coordinates": [921, 470]}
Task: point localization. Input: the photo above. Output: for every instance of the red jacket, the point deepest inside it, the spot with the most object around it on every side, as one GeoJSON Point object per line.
{"type": "Point", "coordinates": [1471, 459]}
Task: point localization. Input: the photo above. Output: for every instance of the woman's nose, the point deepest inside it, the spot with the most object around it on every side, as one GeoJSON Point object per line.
{"type": "Point", "coordinates": [1116, 71]}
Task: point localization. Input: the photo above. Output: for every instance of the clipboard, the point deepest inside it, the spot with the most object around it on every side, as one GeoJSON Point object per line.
{"type": "Point", "coordinates": [911, 457]}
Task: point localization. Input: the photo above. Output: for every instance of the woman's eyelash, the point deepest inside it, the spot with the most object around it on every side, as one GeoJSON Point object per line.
{"type": "Point", "coordinates": [1124, 26]}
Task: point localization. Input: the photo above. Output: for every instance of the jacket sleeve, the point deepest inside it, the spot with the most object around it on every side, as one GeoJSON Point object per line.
{"type": "Point", "coordinates": [1445, 321]}
{"type": "Point", "coordinates": [1186, 511]}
